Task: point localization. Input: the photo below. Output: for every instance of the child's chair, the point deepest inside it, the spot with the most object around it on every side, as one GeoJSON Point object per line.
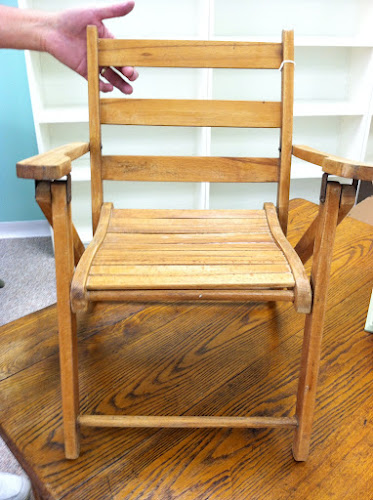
{"type": "Point", "coordinates": [190, 255]}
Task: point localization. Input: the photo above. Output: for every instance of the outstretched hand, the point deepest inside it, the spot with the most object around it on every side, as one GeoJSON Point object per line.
{"type": "Point", "coordinates": [66, 41]}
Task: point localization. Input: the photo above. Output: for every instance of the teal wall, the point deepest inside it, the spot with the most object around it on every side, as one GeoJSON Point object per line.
{"type": "Point", "coordinates": [17, 137]}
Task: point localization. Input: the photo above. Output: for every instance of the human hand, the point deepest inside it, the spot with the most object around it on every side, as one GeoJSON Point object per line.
{"type": "Point", "coordinates": [65, 39]}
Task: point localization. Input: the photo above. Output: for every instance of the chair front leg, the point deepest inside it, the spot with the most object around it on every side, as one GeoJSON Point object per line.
{"type": "Point", "coordinates": [64, 255]}
{"type": "Point", "coordinates": [310, 360]}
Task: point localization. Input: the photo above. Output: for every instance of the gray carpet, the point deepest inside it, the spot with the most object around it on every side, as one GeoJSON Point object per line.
{"type": "Point", "coordinates": [27, 267]}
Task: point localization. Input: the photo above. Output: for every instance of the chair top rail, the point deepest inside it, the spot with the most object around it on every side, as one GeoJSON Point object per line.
{"type": "Point", "coordinates": [189, 54]}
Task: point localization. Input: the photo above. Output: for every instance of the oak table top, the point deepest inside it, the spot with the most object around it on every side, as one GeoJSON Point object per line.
{"type": "Point", "coordinates": [203, 359]}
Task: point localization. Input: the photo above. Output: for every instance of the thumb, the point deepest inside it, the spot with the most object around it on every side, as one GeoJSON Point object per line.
{"type": "Point", "coordinates": [117, 10]}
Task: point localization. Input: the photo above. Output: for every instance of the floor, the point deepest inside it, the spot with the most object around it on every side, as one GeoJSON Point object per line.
{"type": "Point", "coordinates": [27, 267]}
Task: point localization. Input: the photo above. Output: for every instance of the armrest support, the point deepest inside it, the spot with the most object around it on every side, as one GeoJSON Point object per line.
{"type": "Point", "coordinates": [334, 165]}
{"type": "Point", "coordinates": [52, 165]}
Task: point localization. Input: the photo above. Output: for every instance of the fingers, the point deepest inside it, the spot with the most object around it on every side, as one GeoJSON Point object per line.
{"type": "Point", "coordinates": [129, 72]}
{"type": "Point", "coordinates": [105, 87]}
{"type": "Point", "coordinates": [117, 81]}
{"type": "Point", "coordinates": [118, 10]}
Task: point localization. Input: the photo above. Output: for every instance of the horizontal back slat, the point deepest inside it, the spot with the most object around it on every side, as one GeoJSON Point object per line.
{"type": "Point", "coordinates": [189, 169]}
{"type": "Point", "coordinates": [189, 54]}
{"type": "Point", "coordinates": [190, 113]}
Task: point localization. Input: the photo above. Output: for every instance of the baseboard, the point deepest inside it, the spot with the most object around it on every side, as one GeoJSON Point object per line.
{"type": "Point", "coordinates": [25, 229]}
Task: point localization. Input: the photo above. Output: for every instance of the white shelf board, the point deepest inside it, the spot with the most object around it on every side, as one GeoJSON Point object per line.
{"type": "Point", "coordinates": [79, 114]}
{"type": "Point", "coordinates": [332, 41]}
{"type": "Point", "coordinates": [81, 174]}
{"type": "Point", "coordinates": [328, 108]}
{"type": "Point", "coordinates": [304, 170]}
{"type": "Point", "coordinates": [72, 114]}
{"type": "Point", "coordinates": [305, 41]}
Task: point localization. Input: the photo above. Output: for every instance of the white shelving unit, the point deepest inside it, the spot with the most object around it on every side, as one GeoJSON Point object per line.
{"type": "Point", "coordinates": [333, 95]}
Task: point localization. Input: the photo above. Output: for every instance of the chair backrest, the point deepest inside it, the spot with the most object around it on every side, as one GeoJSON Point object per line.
{"type": "Point", "coordinates": [196, 113]}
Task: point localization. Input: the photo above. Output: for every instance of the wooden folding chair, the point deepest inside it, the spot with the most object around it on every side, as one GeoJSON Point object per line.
{"type": "Point", "coordinates": [190, 255]}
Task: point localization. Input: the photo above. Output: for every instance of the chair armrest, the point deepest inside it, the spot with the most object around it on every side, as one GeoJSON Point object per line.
{"type": "Point", "coordinates": [334, 165]}
{"type": "Point", "coordinates": [53, 164]}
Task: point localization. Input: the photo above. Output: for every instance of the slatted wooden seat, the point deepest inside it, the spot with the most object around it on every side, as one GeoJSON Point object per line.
{"type": "Point", "coordinates": [173, 255]}
{"type": "Point", "coordinates": [204, 254]}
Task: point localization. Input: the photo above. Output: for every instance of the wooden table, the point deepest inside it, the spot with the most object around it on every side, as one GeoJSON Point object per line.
{"type": "Point", "coordinates": [200, 359]}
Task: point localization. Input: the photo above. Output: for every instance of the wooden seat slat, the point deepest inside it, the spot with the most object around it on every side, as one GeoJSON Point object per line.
{"type": "Point", "coordinates": [191, 239]}
{"type": "Point", "coordinates": [186, 214]}
{"type": "Point", "coordinates": [154, 270]}
{"type": "Point", "coordinates": [131, 257]}
{"type": "Point", "coordinates": [132, 245]}
{"type": "Point", "coordinates": [253, 280]}
{"type": "Point", "coordinates": [187, 226]}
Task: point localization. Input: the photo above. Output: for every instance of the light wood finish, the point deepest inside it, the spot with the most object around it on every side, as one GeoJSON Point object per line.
{"type": "Point", "coordinates": [198, 277]}
{"type": "Point", "coordinates": [314, 324]}
{"type": "Point", "coordinates": [309, 154]}
{"type": "Point", "coordinates": [189, 169]}
{"type": "Point", "coordinates": [52, 165]}
{"type": "Point", "coordinates": [302, 288]}
{"type": "Point", "coordinates": [189, 54]}
{"type": "Point", "coordinates": [133, 257]}
{"type": "Point", "coordinates": [348, 168]}
{"type": "Point", "coordinates": [335, 165]}
{"type": "Point", "coordinates": [63, 244]}
{"type": "Point", "coordinates": [190, 113]}
{"type": "Point", "coordinates": [43, 197]}
{"type": "Point", "coordinates": [185, 422]}
{"type": "Point", "coordinates": [213, 271]}
{"type": "Point", "coordinates": [186, 250]}
{"type": "Point", "coordinates": [146, 213]}
{"type": "Point", "coordinates": [188, 226]}
{"type": "Point", "coordinates": [348, 196]}
{"type": "Point", "coordinates": [94, 125]}
{"type": "Point", "coordinates": [215, 241]}
{"type": "Point", "coordinates": [170, 296]}
{"type": "Point", "coordinates": [287, 98]}
{"type": "Point", "coordinates": [225, 359]}
{"type": "Point", "coordinates": [168, 251]}
{"type": "Point", "coordinates": [304, 247]}
{"type": "Point", "coordinates": [79, 299]}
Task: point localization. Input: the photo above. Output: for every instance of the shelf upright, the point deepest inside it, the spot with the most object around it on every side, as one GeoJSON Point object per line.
{"type": "Point", "coordinates": [205, 92]}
